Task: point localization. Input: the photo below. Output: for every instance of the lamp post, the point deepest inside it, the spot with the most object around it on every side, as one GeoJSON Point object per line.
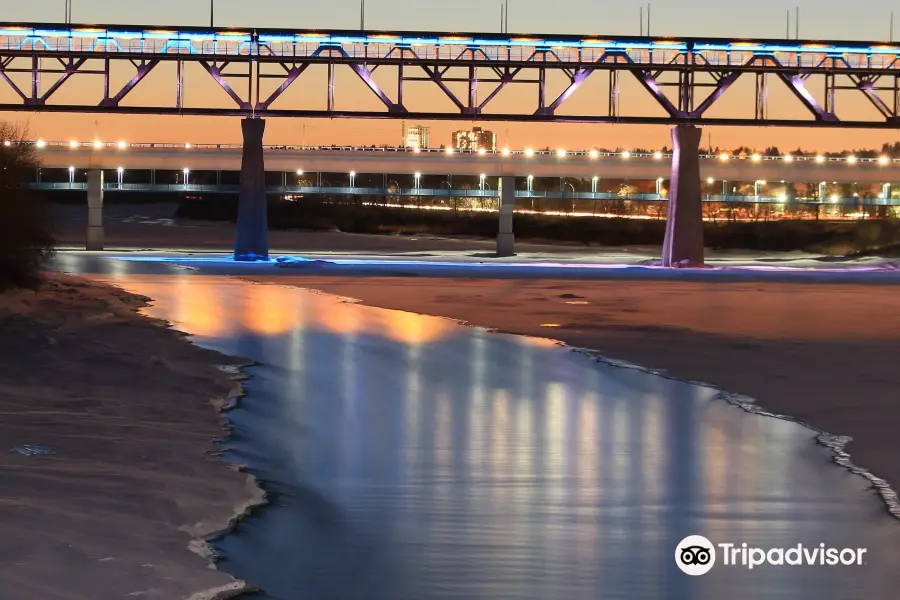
{"type": "Point", "coordinates": [756, 185]}
{"type": "Point", "coordinates": [212, 13]}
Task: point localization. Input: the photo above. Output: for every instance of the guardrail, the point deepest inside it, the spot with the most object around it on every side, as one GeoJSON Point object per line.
{"type": "Point", "coordinates": [734, 199]}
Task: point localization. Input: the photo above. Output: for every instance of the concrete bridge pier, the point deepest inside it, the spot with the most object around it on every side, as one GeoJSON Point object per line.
{"type": "Point", "coordinates": [683, 243]}
{"type": "Point", "coordinates": [95, 210]}
{"type": "Point", "coordinates": [505, 238]}
{"type": "Point", "coordinates": [252, 238]}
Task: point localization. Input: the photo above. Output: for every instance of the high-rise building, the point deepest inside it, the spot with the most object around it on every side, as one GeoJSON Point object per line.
{"type": "Point", "coordinates": [417, 136]}
{"type": "Point", "coordinates": [474, 140]}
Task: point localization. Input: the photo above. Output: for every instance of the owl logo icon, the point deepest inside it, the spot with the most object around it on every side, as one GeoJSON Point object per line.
{"type": "Point", "coordinates": [695, 555]}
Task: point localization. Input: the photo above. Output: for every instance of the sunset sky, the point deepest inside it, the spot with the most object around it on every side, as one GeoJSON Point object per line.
{"type": "Point", "coordinates": [821, 19]}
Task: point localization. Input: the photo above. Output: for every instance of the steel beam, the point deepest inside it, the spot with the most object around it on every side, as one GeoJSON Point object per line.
{"type": "Point", "coordinates": [40, 50]}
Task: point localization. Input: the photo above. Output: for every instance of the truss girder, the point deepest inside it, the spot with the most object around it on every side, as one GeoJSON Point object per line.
{"type": "Point", "coordinates": [673, 79]}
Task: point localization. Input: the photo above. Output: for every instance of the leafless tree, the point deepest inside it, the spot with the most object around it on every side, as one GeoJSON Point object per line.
{"type": "Point", "coordinates": [25, 239]}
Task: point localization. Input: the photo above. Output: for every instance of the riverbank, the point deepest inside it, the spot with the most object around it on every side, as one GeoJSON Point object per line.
{"type": "Point", "coordinates": [202, 226]}
{"type": "Point", "coordinates": [616, 228]}
{"type": "Point", "coordinates": [108, 471]}
{"type": "Point", "coordinates": [823, 353]}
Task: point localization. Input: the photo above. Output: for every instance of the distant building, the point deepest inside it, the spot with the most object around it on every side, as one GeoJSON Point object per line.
{"type": "Point", "coordinates": [417, 136]}
{"type": "Point", "coordinates": [474, 140]}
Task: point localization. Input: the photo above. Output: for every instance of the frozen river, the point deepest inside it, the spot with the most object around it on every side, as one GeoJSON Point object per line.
{"type": "Point", "coordinates": [409, 457]}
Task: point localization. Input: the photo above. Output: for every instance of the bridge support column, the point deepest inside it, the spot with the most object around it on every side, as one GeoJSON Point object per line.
{"type": "Point", "coordinates": [95, 210]}
{"type": "Point", "coordinates": [683, 244]}
{"type": "Point", "coordinates": [505, 238]}
{"type": "Point", "coordinates": [252, 239]}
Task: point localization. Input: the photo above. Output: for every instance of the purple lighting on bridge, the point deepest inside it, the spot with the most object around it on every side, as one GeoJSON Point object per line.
{"type": "Point", "coordinates": [672, 71]}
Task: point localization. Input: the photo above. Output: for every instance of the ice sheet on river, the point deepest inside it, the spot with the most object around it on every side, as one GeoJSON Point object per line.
{"type": "Point", "coordinates": [409, 457]}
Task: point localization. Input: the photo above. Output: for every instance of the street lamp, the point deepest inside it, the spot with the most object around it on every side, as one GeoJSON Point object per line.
{"type": "Point", "coordinates": [594, 154]}
{"type": "Point", "coordinates": [529, 152]}
{"type": "Point", "coordinates": [756, 185]}
{"type": "Point", "coordinates": [594, 181]}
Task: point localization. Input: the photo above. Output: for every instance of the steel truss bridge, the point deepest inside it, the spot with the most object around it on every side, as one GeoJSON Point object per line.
{"type": "Point", "coordinates": [685, 76]}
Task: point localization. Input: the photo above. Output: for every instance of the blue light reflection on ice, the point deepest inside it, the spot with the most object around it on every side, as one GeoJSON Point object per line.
{"type": "Point", "coordinates": [287, 261]}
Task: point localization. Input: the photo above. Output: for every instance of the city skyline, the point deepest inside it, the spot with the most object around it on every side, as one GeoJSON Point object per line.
{"type": "Point", "coordinates": [764, 19]}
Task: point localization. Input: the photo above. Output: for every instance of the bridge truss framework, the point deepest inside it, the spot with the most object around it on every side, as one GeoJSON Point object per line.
{"type": "Point", "coordinates": [685, 77]}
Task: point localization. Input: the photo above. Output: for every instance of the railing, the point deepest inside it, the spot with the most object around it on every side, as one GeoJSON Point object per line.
{"type": "Point", "coordinates": [469, 47]}
{"type": "Point", "coordinates": [732, 199]}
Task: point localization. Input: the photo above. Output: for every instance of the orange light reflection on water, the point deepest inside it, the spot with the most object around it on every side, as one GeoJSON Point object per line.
{"type": "Point", "coordinates": [273, 310]}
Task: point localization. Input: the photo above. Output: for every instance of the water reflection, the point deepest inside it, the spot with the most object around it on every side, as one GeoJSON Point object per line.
{"type": "Point", "coordinates": [412, 458]}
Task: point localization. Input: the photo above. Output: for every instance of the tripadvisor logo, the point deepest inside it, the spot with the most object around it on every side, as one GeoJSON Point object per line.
{"type": "Point", "coordinates": [696, 555]}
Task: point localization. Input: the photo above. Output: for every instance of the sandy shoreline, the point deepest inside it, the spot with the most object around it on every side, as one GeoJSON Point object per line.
{"type": "Point", "coordinates": [823, 354]}
{"type": "Point", "coordinates": [121, 506]}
